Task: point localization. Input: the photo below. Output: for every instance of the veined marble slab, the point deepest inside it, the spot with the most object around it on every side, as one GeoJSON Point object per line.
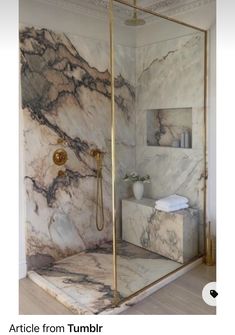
{"type": "Point", "coordinates": [170, 74]}
{"type": "Point", "coordinates": [66, 92]}
{"type": "Point", "coordinates": [83, 282]}
{"type": "Point", "coordinates": [173, 235]}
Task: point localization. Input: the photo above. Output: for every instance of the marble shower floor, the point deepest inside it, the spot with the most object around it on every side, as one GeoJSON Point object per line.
{"type": "Point", "coordinates": [83, 282]}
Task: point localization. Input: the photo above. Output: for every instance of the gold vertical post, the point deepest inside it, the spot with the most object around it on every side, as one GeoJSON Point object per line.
{"type": "Point", "coordinates": [113, 151]}
{"type": "Point", "coordinates": [205, 138]}
{"type": "Point", "coordinates": [213, 251]}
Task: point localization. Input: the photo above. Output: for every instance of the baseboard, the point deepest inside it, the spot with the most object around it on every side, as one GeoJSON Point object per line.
{"type": "Point", "coordinates": [22, 269]}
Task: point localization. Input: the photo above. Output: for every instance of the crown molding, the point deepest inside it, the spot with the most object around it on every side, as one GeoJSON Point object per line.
{"type": "Point", "coordinates": [96, 8]}
{"type": "Point", "coordinates": [182, 7]}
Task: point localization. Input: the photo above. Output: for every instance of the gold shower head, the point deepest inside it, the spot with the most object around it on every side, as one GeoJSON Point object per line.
{"type": "Point", "coordinates": [135, 21]}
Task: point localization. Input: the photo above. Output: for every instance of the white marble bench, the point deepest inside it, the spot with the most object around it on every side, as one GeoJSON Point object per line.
{"type": "Point", "coordinates": [173, 235]}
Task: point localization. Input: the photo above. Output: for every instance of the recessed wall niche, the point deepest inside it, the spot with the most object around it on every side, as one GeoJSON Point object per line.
{"type": "Point", "coordinates": [169, 127]}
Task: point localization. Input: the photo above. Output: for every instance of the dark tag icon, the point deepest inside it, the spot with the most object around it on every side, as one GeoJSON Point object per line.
{"type": "Point", "coordinates": [213, 293]}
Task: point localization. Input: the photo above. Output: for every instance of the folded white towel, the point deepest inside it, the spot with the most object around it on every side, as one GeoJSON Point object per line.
{"type": "Point", "coordinates": [169, 209]}
{"type": "Point", "coordinates": [171, 206]}
{"type": "Point", "coordinates": [172, 200]}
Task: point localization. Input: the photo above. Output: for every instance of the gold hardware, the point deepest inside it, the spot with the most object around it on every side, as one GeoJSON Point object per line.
{"type": "Point", "coordinates": [61, 141]}
{"type": "Point", "coordinates": [168, 18]}
{"type": "Point", "coordinates": [60, 157]}
{"type": "Point", "coordinates": [213, 251]}
{"type": "Point", "coordinates": [111, 19]}
{"type": "Point", "coordinates": [160, 280]}
{"type": "Point", "coordinates": [98, 155]}
{"type": "Point", "coordinates": [61, 173]}
{"type": "Point", "coordinates": [135, 21]}
{"type": "Point", "coordinates": [116, 297]}
{"type": "Point", "coordinates": [205, 135]}
{"type": "Point", "coordinates": [210, 247]}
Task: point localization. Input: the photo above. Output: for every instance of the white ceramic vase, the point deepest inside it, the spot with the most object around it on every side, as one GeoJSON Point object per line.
{"type": "Point", "coordinates": [138, 189]}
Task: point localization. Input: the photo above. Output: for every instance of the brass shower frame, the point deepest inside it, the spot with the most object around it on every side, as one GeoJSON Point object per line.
{"type": "Point", "coordinates": [116, 300]}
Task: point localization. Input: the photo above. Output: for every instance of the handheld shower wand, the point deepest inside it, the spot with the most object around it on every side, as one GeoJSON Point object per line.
{"type": "Point", "coordinates": [98, 155]}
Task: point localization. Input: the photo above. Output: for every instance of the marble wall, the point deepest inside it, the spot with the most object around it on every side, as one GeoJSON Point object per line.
{"type": "Point", "coordinates": [170, 74]}
{"type": "Point", "coordinates": [65, 84]}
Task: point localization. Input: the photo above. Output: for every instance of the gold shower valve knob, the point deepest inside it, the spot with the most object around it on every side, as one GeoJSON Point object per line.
{"type": "Point", "coordinates": [61, 173]}
{"type": "Point", "coordinates": [60, 157]}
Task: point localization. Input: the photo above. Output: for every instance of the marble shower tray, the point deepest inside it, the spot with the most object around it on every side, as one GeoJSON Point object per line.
{"type": "Point", "coordinates": [83, 282]}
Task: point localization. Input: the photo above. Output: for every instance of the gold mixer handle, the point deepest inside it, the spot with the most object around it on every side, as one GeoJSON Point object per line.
{"type": "Point", "coordinates": [62, 173]}
{"type": "Point", "coordinates": [97, 153]}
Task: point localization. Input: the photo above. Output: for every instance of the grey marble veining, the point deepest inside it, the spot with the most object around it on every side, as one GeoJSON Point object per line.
{"type": "Point", "coordinates": [83, 282]}
{"type": "Point", "coordinates": [66, 91]}
{"type": "Point", "coordinates": [65, 84]}
{"type": "Point", "coordinates": [170, 75]}
{"type": "Point", "coordinates": [173, 235]}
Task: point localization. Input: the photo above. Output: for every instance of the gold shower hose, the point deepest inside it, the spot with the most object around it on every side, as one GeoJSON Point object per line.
{"type": "Point", "coordinates": [98, 155]}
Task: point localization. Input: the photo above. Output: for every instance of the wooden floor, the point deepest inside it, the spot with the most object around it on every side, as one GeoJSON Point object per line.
{"type": "Point", "coordinates": [183, 296]}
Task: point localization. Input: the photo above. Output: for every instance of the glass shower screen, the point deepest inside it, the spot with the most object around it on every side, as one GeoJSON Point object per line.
{"type": "Point", "coordinates": [159, 101]}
